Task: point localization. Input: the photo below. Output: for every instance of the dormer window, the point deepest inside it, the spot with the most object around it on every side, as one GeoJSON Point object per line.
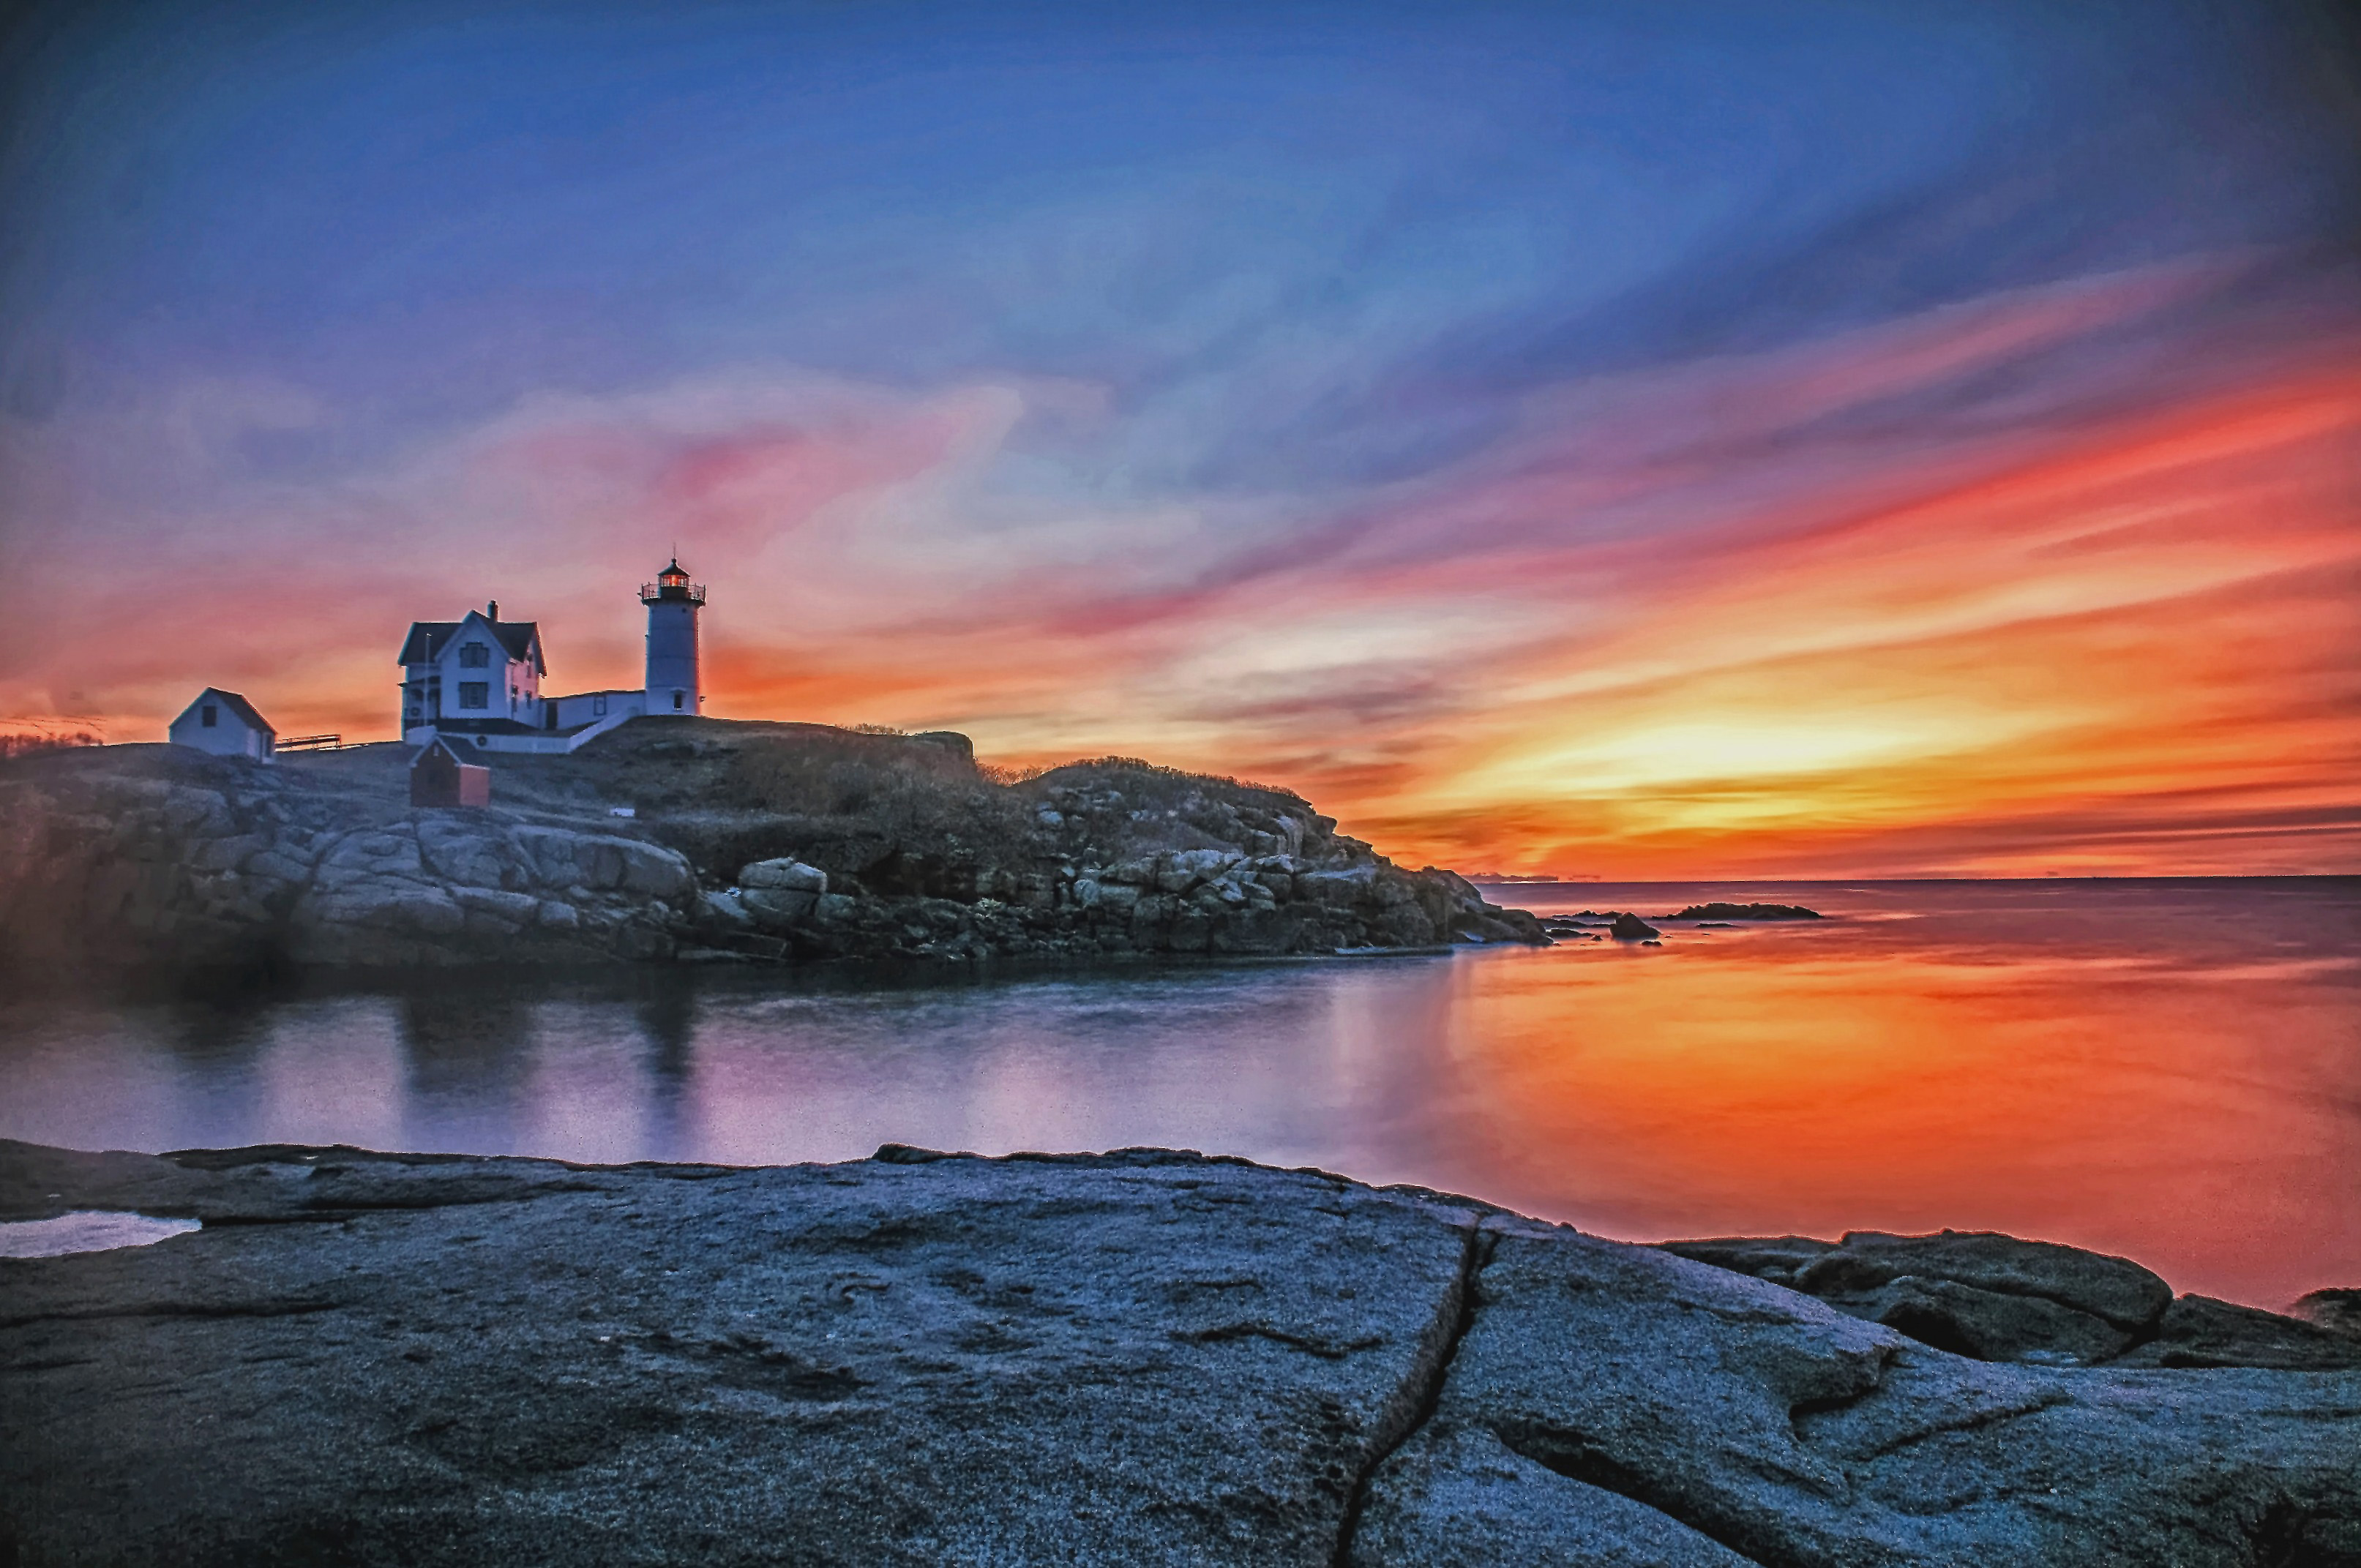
{"type": "Point", "coordinates": [474, 656]}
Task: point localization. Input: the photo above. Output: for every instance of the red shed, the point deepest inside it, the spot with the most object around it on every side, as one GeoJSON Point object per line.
{"type": "Point", "coordinates": [437, 777]}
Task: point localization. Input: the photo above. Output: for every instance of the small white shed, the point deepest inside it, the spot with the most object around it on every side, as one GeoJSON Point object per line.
{"type": "Point", "coordinates": [225, 724]}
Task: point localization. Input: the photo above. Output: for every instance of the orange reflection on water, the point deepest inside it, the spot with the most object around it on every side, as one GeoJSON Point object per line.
{"type": "Point", "coordinates": [1862, 1076]}
{"type": "Point", "coordinates": [2168, 1070]}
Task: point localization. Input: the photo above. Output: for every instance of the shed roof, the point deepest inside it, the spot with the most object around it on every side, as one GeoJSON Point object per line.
{"type": "Point", "coordinates": [235, 703]}
{"type": "Point", "coordinates": [450, 753]}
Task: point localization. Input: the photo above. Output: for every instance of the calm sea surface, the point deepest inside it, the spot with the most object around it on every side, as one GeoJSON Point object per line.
{"type": "Point", "coordinates": [2169, 1069]}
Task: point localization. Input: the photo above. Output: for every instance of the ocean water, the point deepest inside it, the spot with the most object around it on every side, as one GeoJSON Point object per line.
{"type": "Point", "coordinates": [2166, 1069]}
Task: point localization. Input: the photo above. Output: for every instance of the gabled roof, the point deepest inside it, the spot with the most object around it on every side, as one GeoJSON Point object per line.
{"type": "Point", "coordinates": [425, 640]}
{"type": "Point", "coordinates": [449, 751]}
{"type": "Point", "coordinates": [235, 703]}
{"type": "Point", "coordinates": [520, 638]}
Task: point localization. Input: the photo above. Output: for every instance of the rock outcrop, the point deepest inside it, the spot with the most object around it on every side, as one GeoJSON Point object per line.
{"type": "Point", "coordinates": [160, 857]}
{"type": "Point", "coordinates": [177, 859]}
{"type": "Point", "coordinates": [2337, 1310]}
{"type": "Point", "coordinates": [1178, 900]}
{"type": "Point", "coordinates": [1995, 1297]}
{"type": "Point", "coordinates": [1146, 1357]}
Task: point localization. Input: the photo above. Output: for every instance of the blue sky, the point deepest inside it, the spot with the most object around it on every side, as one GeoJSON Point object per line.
{"type": "Point", "coordinates": [1316, 221]}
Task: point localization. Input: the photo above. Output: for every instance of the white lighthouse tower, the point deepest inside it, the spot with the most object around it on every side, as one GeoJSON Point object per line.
{"type": "Point", "coordinates": [673, 602]}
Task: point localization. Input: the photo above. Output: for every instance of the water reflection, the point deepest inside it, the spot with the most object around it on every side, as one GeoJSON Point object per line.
{"type": "Point", "coordinates": [2168, 1070]}
{"type": "Point", "coordinates": [467, 1056]}
{"type": "Point", "coordinates": [87, 1230]}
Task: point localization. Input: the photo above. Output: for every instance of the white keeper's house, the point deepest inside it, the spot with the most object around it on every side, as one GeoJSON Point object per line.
{"type": "Point", "coordinates": [477, 680]}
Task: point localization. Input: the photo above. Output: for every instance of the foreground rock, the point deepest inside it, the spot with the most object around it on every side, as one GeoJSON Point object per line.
{"type": "Point", "coordinates": [742, 843]}
{"type": "Point", "coordinates": [1140, 1357]}
{"type": "Point", "coordinates": [1996, 1298]}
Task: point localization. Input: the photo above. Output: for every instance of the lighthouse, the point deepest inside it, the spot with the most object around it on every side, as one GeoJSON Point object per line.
{"type": "Point", "coordinates": [673, 602]}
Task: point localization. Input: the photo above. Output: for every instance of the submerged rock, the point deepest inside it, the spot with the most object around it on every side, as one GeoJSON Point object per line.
{"type": "Point", "coordinates": [1745, 911]}
{"type": "Point", "coordinates": [1146, 1357]}
{"type": "Point", "coordinates": [1631, 928]}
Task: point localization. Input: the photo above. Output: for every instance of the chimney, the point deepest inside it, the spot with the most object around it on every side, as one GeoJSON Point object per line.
{"type": "Point", "coordinates": [492, 611]}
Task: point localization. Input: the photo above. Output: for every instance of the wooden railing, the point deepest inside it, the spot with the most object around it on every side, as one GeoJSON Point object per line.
{"type": "Point", "coordinates": [310, 743]}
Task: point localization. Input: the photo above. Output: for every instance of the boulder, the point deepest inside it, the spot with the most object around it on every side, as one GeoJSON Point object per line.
{"type": "Point", "coordinates": [1264, 931]}
{"type": "Point", "coordinates": [728, 909]}
{"type": "Point", "coordinates": [1989, 1325]}
{"type": "Point", "coordinates": [784, 876]}
{"type": "Point", "coordinates": [1185, 869]}
{"type": "Point", "coordinates": [1996, 1297]}
{"type": "Point", "coordinates": [777, 906]}
{"type": "Point", "coordinates": [2198, 1330]}
{"type": "Point", "coordinates": [1337, 889]}
{"type": "Point", "coordinates": [2113, 1289]}
{"type": "Point", "coordinates": [2336, 1310]}
{"type": "Point", "coordinates": [1631, 928]}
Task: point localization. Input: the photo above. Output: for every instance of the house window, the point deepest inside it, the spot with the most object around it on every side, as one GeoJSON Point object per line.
{"type": "Point", "coordinates": [475, 656]}
{"type": "Point", "coordinates": [475, 694]}
{"type": "Point", "coordinates": [208, 716]}
{"type": "Point", "coordinates": [675, 699]}
{"type": "Point", "coordinates": [598, 704]}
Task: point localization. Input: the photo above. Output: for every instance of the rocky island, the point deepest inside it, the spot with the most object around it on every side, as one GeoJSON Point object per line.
{"type": "Point", "coordinates": [683, 839]}
{"type": "Point", "coordinates": [1141, 1357]}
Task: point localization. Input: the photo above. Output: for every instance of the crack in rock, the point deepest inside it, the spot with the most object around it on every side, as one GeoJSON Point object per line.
{"type": "Point", "coordinates": [291, 1308]}
{"type": "Point", "coordinates": [1327, 1349]}
{"type": "Point", "coordinates": [2048, 1399]}
{"type": "Point", "coordinates": [1580, 1458]}
{"type": "Point", "coordinates": [1415, 1401]}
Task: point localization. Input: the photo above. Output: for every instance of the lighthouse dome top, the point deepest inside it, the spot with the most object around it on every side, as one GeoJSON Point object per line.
{"type": "Point", "coordinates": [672, 583]}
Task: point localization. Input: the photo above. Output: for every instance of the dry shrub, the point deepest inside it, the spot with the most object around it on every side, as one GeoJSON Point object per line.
{"type": "Point", "coordinates": [23, 737]}
{"type": "Point", "coordinates": [1155, 781]}
{"type": "Point", "coordinates": [905, 789]}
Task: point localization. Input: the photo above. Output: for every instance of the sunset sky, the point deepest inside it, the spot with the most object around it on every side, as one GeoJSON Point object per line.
{"type": "Point", "coordinates": [1632, 439]}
